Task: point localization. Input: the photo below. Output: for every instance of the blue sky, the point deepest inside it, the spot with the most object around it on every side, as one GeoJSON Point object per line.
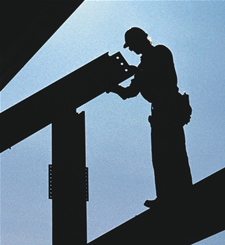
{"type": "Point", "coordinates": [117, 131]}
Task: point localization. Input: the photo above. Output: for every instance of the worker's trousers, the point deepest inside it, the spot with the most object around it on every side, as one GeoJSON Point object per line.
{"type": "Point", "coordinates": [170, 161]}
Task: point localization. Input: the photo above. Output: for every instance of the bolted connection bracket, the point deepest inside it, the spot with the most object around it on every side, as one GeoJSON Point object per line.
{"type": "Point", "coordinates": [86, 184]}
{"type": "Point", "coordinates": [50, 181]}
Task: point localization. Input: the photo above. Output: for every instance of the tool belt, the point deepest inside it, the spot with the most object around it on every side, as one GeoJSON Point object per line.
{"type": "Point", "coordinates": [177, 111]}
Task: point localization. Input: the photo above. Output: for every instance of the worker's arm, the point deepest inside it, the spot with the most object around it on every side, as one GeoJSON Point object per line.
{"type": "Point", "coordinates": [124, 93]}
{"type": "Point", "coordinates": [127, 92]}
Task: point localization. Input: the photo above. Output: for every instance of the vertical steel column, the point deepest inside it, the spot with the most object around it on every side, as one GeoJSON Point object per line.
{"type": "Point", "coordinates": [68, 186]}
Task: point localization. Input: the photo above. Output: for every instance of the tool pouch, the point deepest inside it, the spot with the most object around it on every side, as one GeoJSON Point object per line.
{"type": "Point", "coordinates": [175, 112]}
{"type": "Point", "coordinates": [184, 109]}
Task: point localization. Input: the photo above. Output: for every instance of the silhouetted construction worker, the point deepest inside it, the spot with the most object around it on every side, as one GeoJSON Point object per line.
{"type": "Point", "coordinates": [156, 80]}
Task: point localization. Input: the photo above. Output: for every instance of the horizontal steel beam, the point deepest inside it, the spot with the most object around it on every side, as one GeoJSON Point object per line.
{"type": "Point", "coordinates": [72, 91]}
{"type": "Point", "coordinates": [201, 215]}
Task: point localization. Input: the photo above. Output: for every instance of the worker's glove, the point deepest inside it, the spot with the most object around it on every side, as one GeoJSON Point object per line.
{"type": "Point", "coordinates": [134, 69]}
{"type": "Point", "coordinates": [112, 87]}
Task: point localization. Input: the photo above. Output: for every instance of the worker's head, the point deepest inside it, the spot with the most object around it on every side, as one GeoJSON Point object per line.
{"type": "Point", "coordinates": [136, 39]}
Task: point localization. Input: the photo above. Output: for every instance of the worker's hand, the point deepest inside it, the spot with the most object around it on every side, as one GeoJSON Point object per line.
{"type": "Point", "coordinates": [112, 87]}
{"type": "Point", "coordinates": [134, 69]}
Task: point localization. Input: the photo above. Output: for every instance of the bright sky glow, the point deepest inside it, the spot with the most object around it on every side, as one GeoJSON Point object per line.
{"type": "Point", "coordinates": [118, 134]}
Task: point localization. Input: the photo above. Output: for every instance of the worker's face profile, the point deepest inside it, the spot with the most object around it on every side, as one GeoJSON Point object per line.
{"type": "Point", "coordinates": [134, 46]}
{"type": "Point", "coordinates": [135, 49]}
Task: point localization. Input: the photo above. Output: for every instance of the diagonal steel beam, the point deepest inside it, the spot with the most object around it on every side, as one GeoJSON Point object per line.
{"type": "Point", "coordinates": [201, 215]}
{"type": "Point", "coordinates": [25, 26]}
{"type": "Point", "coordinates": [73, 90]}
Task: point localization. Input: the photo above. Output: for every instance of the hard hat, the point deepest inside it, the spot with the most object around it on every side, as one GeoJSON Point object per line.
{"type": "Point", "coordinates": [132, 34]}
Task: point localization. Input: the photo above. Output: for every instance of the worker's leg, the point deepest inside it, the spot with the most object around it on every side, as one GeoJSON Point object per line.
{"type": "Point", "coordinates": [170, 161]}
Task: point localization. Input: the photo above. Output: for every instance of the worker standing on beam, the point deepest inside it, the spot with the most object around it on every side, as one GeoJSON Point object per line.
{"type": "Point", "coordinates": [156, 80]}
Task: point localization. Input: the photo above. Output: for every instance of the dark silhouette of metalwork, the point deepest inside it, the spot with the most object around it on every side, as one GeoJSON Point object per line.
{"type": "Point", "coordinates": [25, 26]}
{"type": "Point", "coordinates": [181, 222]}
{"type": "Point", "coordinates": [69, 184]}
{"type": "Point", "coordinates": [186, 219]}
{"type": "Point", "coordinates": [56, 105]}
{"type": "Point", "coordinates": [68, 93]}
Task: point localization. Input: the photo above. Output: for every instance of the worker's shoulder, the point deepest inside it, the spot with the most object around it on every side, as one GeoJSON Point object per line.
{"type": "Point", "coordinates": [162, 49]}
